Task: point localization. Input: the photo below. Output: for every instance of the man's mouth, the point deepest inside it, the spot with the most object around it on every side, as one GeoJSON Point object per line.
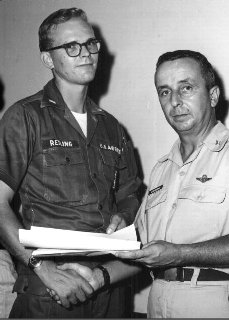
{"type": "Point", "coordinates": [180, 117]}
{"type": "Point", "coordinates": [85, 64]}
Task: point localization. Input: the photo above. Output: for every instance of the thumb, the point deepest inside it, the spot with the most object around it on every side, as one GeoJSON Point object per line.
{"type": "Point", "coordinates": [115, 221]}
{"type": "Point", "coordinates": [83, 271]}
{"type": "Point", "coordinates": [66, 266]}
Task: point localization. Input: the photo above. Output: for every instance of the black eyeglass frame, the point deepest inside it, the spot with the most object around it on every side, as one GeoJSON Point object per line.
{"type": "Point", "coordinates": [66, 46]}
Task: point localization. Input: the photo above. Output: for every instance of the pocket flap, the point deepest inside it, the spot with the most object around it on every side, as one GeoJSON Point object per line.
{"type": "Point", "coordinates": [56, 157]}
{"type": "Point", "coordinates": [209, 194]}
{"type": "Point", "coordinates": [110, 158]}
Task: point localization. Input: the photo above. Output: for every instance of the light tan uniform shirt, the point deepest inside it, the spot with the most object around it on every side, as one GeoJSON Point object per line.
{"type": "Point", "coordinates": [189, 202]}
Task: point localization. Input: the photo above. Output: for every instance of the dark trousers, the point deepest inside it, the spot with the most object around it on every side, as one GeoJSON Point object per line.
{"type": "Point", "coordinates": [33, 301]}
{"type": "Point", "coordinates": [104, 305]}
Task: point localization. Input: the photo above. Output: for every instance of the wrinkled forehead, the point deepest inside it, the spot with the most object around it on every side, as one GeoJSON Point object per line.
{"type": "Point", "coordinates": [178, 70]}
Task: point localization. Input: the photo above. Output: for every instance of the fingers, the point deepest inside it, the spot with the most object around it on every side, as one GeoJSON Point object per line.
{"type": "Point", "coordinates": [64, 301]}
{"type": "Point", "coordinates": [66, 266]}
{"type": "Point", "coordinates": [117, 223]}
{"type": "Point", "coordinates": [132, 255]}
{"type": "Point", "coordinates": [74, 292]}
{"type": "Point", "coordinates": [73, 299]}
{"type": "Point", "coordinates": [83, 271]}
{"type": "Point", "coordinates": [54, 295]}
{"type": "Point", "coordinates": [84, 289]}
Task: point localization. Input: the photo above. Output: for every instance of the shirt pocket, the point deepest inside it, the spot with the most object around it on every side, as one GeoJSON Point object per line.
{"type": "Point", "coordinates": [202, 194]}
{"type": "Point", "coordinates": [111, 166]}
{"type": "Point", "coordinates": [63, 175]}
{"type": "Point", "coordinates": [201, 213]}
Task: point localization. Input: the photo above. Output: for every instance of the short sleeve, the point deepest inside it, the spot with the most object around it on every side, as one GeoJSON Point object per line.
{"type": "Point", "coordinates": [15, 145]}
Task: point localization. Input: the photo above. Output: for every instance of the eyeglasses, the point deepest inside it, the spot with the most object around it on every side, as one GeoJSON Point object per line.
{"type": "Point", "coordinates": [73, 48]}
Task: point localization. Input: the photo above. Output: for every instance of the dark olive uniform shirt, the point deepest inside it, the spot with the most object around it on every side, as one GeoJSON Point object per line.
{"type": "Point", "coordinates": [66, 180]}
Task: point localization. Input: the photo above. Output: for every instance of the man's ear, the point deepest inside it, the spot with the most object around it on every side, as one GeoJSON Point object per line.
{"type": "Point", "coordinates": [47, 60]}
{"type": "Point", "coordinates": [214, 96]}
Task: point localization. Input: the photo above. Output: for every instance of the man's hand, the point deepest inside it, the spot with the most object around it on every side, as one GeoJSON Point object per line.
{"type": "Point", "coordinates": [84, 271]}
{"type": "Point", "coordinates": [68, 285]}
{"type": "Point", "coordinates": [154, 254]}
{"type": "Point", "coordinates": [117, 222]}
{"type": "Point", "coordinates": [94, 277]}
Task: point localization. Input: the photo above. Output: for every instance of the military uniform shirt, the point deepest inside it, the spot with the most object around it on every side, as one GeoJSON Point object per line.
{"type": "Point", "coordinates": [189, 202]}
{"type": "Point", "coordinates": [64, 179]}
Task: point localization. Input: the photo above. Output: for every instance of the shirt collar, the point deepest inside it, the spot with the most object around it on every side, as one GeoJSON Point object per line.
{"type": "Point", "coordinates": [217, 138]}
{"type": "Point", "coordinates": [215, 141]}
{"type": "Point", "coordinates": [53, 98]}
{"type": "Point", "coordinates": [174, 154]}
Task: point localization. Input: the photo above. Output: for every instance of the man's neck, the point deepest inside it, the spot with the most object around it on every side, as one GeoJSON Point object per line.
{"type": "Point", "coordinates": [187, 148]}
{"type": "Point", "coordinates": [73, 95]}
{"type": "Point", "coordinates": [190, 142]}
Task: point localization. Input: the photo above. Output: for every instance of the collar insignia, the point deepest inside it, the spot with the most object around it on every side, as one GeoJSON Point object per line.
{"type": "Point", "coordinates": [52, 101]}
{"type": "Point", "coordinates": [204, 178]}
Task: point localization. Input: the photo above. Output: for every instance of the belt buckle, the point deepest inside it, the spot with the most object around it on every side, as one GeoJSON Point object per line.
{"type": "Point", "coordinates": [180, 274]}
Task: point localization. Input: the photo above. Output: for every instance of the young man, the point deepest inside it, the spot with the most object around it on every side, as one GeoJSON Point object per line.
{"type": "Point", "coordinates": [73, 167]}
{"type": "Point", "coordinates": [184, 219]}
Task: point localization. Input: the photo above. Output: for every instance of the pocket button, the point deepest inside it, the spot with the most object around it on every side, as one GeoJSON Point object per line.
{"type": "Point", "coordinates": [100, 207]}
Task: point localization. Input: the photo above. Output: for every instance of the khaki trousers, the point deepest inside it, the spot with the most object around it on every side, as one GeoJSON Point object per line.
{"type": "Point", "coordinates": [173, 299]}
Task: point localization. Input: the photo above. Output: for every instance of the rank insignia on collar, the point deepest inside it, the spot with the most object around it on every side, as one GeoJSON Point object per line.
{"type": "Point", "coordinates": [204, 178]}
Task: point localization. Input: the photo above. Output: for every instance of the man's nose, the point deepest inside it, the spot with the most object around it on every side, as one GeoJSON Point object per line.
{"type": "Point", "coordinates": [176, 99]}
{"type": "Point", "coordinates": [84, 51]}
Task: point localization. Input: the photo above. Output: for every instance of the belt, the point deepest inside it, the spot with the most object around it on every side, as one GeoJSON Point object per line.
{"type": "Point", "coordinates": [185, 274]}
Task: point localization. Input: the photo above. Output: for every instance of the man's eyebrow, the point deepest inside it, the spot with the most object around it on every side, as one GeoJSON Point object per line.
{"type": "Point", "coordinates": [165, 86]}
{"type": "Point", "coordinates": [162, 87]}
{"type": "Point", "coordinates": [186, 80]}
{"type": "Point", "coordinates": [76, 41]}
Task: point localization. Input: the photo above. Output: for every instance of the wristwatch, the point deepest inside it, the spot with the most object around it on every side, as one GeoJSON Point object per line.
{"type": "Point", "coordinates": [106, 276]}
{"type": "Point", "coordinates": [34, 262]}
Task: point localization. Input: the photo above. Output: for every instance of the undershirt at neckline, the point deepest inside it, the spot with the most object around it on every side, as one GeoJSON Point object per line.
{"type": "Point", "coordinates": [81, 118]}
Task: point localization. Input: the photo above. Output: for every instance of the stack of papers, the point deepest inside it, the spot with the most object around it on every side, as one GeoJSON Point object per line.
{"type": "Point", "coordinates": [51, 241]}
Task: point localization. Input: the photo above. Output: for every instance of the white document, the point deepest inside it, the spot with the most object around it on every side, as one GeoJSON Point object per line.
{"type": "Point", "coordinates": [59, 241]}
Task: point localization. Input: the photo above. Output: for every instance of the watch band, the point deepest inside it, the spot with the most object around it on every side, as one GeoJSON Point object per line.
{"type": "Point", "coordinates": [106, 276]}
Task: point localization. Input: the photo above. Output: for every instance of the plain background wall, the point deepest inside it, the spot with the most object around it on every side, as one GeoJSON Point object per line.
{"type": "Point", "coordinates": [134, 33]}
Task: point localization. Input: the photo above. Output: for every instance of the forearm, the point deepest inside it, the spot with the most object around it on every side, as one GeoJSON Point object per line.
{"type": "Point", "coordinates": [212, 253]}
{"type": "Point", "coordinates": [9, 226]}
{"type": "Point", "coordinates": [163, 254]}
{"type": "Point", "coordinates": [118, 271]}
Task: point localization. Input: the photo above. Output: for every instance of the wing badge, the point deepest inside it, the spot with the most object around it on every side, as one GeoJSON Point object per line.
{"type": "Point", "coordinates": [204, 178]}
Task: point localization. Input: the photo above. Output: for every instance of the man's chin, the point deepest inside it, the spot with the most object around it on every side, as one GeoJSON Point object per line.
{"type": "Point", "coordinates": [182, 127]}
{"type": "Point", "coordinates": [86, 79]}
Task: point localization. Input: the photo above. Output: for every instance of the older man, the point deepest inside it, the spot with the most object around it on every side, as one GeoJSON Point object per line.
{"type": "Point", "coordinates": [184, 219]}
